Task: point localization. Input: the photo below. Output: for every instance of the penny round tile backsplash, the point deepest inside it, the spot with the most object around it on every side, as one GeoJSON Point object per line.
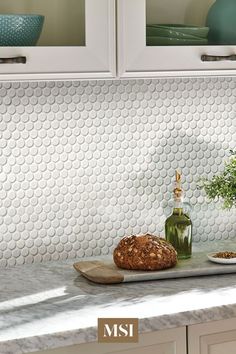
{"type": "Point", "coordinates": [84, 163]}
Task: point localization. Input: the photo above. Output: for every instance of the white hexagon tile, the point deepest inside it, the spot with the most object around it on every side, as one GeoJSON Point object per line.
{"type": "Point", "coordinates": [85, 163]}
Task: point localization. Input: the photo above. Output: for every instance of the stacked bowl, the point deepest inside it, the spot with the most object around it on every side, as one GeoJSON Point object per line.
{"type": "Point", "coordinates": [175, 34]}
{"type": "Point", "coordinates": [20, 29]}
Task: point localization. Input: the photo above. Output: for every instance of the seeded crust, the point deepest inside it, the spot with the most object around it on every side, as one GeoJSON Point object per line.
{"type": "Point", "coordinates": [144, 252]}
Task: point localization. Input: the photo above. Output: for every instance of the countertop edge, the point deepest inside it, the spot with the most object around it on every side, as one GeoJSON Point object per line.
{"type": "Point", "coordinates": [89, 334]}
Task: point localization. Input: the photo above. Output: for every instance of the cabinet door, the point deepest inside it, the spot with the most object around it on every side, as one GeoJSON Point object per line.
{"type": "Point", "coordinates": [171, 341]}
{"type": "Point", "coordinates": [213, 337]}
{"type": "Point", "coordinates": [146, 48]}
{"type": "Point", "coordinates": [77, 41]}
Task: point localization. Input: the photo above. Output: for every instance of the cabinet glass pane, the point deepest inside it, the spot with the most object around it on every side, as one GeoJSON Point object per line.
{"type": "Point", "coordinates": [64, 20]}
{"type": "Point", "coordinates": [184, 22]}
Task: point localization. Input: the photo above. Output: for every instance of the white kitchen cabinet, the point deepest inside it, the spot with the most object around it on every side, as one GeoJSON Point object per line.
{"type": "Point", "coordinates": [77, 41]}
{"type": "Point", "coordinates": [136, 59]}
{"type": "Point", "coordinates": [171, 341]}
{"type": "Point", "coordinates": [79, 38]}
{"type": "Point", "coordinates": [213, 337]}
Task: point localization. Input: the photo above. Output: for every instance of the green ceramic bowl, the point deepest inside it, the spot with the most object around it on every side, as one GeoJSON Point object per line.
{"type": "Point", "coordinates": [170, 29]}
{"type": "Point", "coordinates": [155, 41]}
{"type": "Point", "coordinates": [169, 33]}
{"type": "Point", "coordinates": [20, 30]}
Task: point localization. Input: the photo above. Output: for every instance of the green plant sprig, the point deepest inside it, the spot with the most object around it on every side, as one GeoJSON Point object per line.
{"type": "Point", "coordinates": [223, 186]}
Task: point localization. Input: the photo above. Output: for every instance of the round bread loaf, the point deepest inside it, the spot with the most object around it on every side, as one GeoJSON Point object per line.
{"type": "Point", "coordinates": [144, 252]}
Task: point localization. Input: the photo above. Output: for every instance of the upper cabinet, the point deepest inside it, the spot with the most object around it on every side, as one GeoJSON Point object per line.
{"type": "Point", "coordinates": [170, 38]}
{"type": "Point", "coordinates": [77, 39]}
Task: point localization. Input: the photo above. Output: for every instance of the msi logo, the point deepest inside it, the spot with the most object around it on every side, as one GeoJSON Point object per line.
{"type": "Point", "coordinates": [118, 330]}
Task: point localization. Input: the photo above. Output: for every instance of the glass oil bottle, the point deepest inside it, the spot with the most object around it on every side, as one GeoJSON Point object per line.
{"type": "Point", "coordinates": [178, 226]}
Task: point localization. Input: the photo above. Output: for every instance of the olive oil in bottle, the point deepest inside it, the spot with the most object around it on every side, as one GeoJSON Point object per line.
{"type": "Point", "coordinates": [178, 226]}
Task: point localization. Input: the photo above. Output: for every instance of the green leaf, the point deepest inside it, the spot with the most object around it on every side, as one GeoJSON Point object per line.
{"type": "Point", "coordinates": [222, 186]}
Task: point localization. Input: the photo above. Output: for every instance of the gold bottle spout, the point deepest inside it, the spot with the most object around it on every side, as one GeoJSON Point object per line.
{"type": "Point", "coordinates": [178, 192]}
{"type": "Point", "coordinates": [177, 176]}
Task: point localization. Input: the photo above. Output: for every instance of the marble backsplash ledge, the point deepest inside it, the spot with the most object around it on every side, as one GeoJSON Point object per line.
{"type": "Point", "coordinates": [85, 163]}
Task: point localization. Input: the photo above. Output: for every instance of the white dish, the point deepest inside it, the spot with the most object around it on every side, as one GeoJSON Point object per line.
{"type": "Point", "coordinates": [220, 260]}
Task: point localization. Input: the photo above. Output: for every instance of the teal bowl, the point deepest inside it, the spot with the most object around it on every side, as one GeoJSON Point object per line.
{"type": "Point", "coordinates": [177, 30]}
{"type": "Point", "coordinates": [169, 33]}
{"type": "Point", "coordinates": [155, 41]}
{"type": "Point", "coordinates": [20, 30]}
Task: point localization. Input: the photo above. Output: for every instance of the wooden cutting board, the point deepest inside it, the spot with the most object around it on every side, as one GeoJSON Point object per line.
{"type": "Point", "coordinates": [105, 271]}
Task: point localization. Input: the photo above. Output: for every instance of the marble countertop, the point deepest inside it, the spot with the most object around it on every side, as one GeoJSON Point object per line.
{"type": "Point", "coordinates": [50, 305]}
